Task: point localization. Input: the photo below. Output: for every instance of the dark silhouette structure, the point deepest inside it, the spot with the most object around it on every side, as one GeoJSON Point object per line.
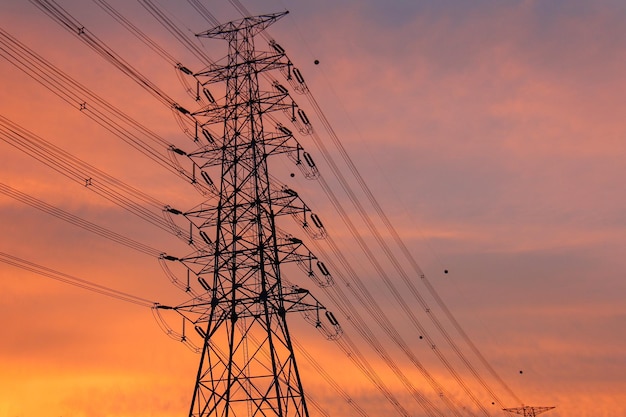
{"type": "Point", "coordinates": [247, 365]}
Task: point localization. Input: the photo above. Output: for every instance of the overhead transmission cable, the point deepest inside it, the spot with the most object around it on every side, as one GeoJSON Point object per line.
{"type": "Point", "coordinates": [77, 221]}
{"type": "Point", "coordinates": [397, 266]}
{"type": "Point", "coordinates": [413, 263]}
{"type": "Point", "coordinates": [382, 273]}
{"type": "Point", "coordinates": [369, 303]}
{"type": "Point", "coordinates": [347, 189]}
{"type": "Point", "coordinates": [380, 317]}
{"type": "Point", "coordinates": [92, 178]}
{"type": "Point", "coordinates": [327, 156]}
{"type": "Point", "coordinates": [204, 12]}
{"type": "Point", "coordinates": [397, 239]}
{"type": "Point", "coordinates": [61, 16]}
{"type": "Point", "coordinates": [136, 31]}
{"type": "Point", "coordinates": [395, 262]}
{"type": "Point", "coordinates": [81, 31]}
{"type": "Point", "coordinates": [68, 22]}
{"type": "Point", "coordinates": [174, 30]}
{"type": "Point", "coordinates": [89, 103]}
{"type": "Point", "coordinates": [72, 280]}
{"type": "Point", "coordinates": [329, 379]}
{"type": "Point", "coordinates": [183, 116]}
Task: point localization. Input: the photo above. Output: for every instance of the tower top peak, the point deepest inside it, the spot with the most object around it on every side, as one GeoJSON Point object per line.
{"type": "Point", "coordinates": [250, 23]}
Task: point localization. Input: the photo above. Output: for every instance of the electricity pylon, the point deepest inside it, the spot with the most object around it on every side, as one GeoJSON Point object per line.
{"type": "Point", "coordinates": [528, 411]}
{"type": "Point", "coordinates": [247, 364]}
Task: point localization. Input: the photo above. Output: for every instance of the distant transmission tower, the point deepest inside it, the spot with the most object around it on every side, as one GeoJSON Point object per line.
{"type": "Point", "coordinates": [247, 365]}
{"type": "Point", "coordinates": [527, 411]}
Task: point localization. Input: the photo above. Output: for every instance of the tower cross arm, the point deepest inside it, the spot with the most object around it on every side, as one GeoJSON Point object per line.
{"type": "Point", "coordinates": [262, 61]}
{"type": "Point", "coordinates": [300, 299]}
{"type": "Point", "coordinates": [255, 23]}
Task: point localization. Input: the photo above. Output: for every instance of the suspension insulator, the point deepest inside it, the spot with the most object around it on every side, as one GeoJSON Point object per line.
{"type": "Point", "coordinates": [303, 117]}
{"type": "Point", "coordinates": [201, 332]}
{"type": "Point", "coordinates": [295, 240]}
{"type": "Point", "coordinates": [173, 210]}
{"type": "Point", "coordinates": [206, 178]}
{"type": "Point", "coordinates": [177, 150]}
{"type": "Point", "coordinates": [308, 159]}
{"type": "Point", "coordinates": [323, 268]}
{"type": "Point", "coordinates": [208, 136]}
{"type": "Point", "coordinates": [281, 88]}
{"type": "Point", "coordinates": [331, 318]}
{"type": "Point", "coordinates": [290, 192]}
{"type": "Point", "coordinates": [298, 75]}
{"type": "Point", "coordinates": [284, 130]}
{"type": "Point", "coordinates": [316, 221]}
{"type": "Point", "coordinates": [205, 237]}
{"type": "Point", "coordinates": [169, 257]}
{"type": "Point", "coordinates": [277, 47]}
{"type": "Point", "coordinates": [185, 69]}
{"type": "Point", "coordinates": [204, 284]}
{"type": "Point", "coordinates": [208, 95]}
{"type": "Point", "coordinates": [181, 109]}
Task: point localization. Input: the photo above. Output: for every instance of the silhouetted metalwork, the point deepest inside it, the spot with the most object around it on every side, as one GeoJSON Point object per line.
{"type": "Point", "coordinates": [528, 411]}
{"type": "Point", "coordinates": [239, 298]}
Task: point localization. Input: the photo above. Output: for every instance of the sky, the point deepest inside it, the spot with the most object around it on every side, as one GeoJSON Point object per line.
{"type": "Point", "coordinates": [490, 132]}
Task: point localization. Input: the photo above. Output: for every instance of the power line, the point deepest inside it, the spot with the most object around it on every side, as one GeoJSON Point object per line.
{"type": "Point", "coordinates": [68, 22]}
{"type": "Point", "coordinates": [77, 221]}
{"type": "Point", "coordinates": [389, 254]}
{"type": "Point", "coordinates": [392, 258]}
{"type": "Point", "coordinates": [92, 178]}
{"type": "Point", "coordinates": [72, 280]}
{"type": "Point", "coordinates": [92, 105]}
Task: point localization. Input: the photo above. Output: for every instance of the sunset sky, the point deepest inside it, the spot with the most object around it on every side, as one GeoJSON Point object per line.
{"type": "Point", "coordinates": [492, 134]}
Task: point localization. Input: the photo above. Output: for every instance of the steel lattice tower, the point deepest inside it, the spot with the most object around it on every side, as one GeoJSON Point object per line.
{"type": "Point", "coordinates": [247, 289]}
{"type": "Point", "coordinates": [247, 365]}
{"type": "Point", "coordinates": [527, 411]}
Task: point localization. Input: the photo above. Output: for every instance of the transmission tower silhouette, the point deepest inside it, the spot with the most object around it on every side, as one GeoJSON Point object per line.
{"type": "Point", "coordinates": [528, 411]}
{"type": "Point", "coordinates": [247, 364]}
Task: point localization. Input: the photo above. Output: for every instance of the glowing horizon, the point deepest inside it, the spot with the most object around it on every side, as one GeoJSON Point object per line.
{"type": "Point", "coordinates": [492, 135]}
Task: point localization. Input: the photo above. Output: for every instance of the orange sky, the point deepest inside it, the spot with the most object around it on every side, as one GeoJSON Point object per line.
{"type": "Point", "coordinates": [492, 134]}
